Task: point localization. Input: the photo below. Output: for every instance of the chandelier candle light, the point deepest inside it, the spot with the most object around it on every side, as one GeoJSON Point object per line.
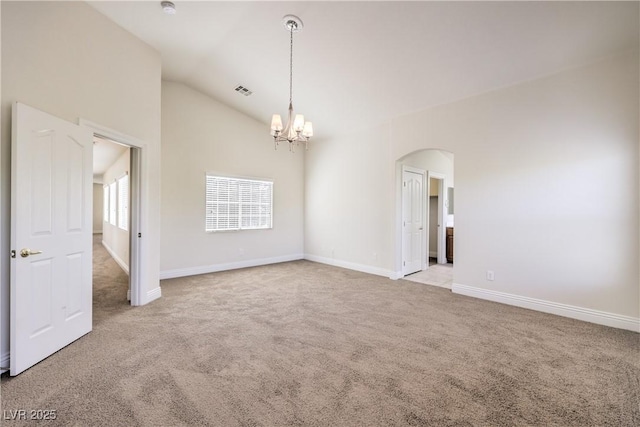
{"type": "Point", "coordinates": [296, 130]}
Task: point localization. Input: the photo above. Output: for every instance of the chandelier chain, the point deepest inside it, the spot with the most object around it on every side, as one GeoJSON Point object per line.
{"type": "Point", "coordinates": [291, 65]}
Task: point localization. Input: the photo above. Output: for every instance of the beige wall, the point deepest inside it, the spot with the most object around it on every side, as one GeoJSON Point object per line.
{"type": "Point", "coordinates": [433, 227]}
{"type": "Point", "coordinates": [546, 178]}
{"type": "Point", "coordinates": [201, 135]}
{"type": "Point", "coordinates": [98, 204]}
{"type": "Point", "coordinates": [67, 59]}
{"type": "Point", "coordinates": [433, 187]}
{"type": "Point", "coordinates": [349, 195]}
{"type": "Point", "coordinates": [115, 239]}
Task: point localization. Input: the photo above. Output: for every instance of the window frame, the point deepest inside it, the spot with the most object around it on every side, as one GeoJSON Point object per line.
{"type": "Point", "coordinates": [113, 200]}
{"type": "Point", "coordinates": [234, 203]}
{"type": "Point", "coordinates": [123, 203]}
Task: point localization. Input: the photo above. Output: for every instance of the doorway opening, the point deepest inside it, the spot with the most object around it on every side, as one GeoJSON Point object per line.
{"type": "Point", "coordinates": [436, 217]}
{"type": "Point", "coordinates": [111, 228]}
{"type": "Point", "coordinates": [425, 254]}
{"type": "Point", "coordinates": [127, 177]}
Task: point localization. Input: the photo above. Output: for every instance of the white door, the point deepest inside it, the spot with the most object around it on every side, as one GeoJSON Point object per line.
{"type": "Point", "coordinates": [51, 226]}
{"type": "Point", "coordinates": [412, 221]}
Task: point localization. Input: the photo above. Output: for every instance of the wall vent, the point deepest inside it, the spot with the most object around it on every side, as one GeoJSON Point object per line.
{"type": "Point", "coordinates": [243, 90]}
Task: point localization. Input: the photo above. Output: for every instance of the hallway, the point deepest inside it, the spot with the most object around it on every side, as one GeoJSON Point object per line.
{"type": "Point", "coordinates": [110, 284]}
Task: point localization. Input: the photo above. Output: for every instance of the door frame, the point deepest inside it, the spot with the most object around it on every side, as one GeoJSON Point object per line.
{"type": "Point", "coordinates": [441, 230]}
{"type": "Point", "coordinates": [425, 196]}
{"type": "Point", "coordinates": [137, 266]}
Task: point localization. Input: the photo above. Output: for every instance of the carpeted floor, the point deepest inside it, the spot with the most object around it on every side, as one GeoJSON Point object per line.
{"type": "Point", "coordinates": [302, 343]}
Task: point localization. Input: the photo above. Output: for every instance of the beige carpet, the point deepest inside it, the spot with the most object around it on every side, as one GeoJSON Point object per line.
{"type": "Point", "coordinates": [306, 344]}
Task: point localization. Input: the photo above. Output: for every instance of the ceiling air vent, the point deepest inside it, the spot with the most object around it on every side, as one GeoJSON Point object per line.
{"type": "Point", "coordinates": [243, 90]}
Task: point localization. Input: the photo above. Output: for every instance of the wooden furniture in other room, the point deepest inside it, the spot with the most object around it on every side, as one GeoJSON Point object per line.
{"type": "Point", "coordinates": [450, 244]}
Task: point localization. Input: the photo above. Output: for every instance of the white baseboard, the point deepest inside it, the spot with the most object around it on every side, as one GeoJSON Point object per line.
{"type": "Point", "coordinates": [573, 312]}
{"type": "Point", "coordinates": [4, 362]}
{"type": "Point", "coordinates": [123, 265]}
{"type": "Point", "coordinates": [153, 294]}
{"type": "Point", "coordinates": [352, 266]}
{"type": "Point", "coordinates": [395, 275]}
{"type": "Point", "coordinates": [192, 271]}
{"type": "Point", "coordinates": [433, 254]}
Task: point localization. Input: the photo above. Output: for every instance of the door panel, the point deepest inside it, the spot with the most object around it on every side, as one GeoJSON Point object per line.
{"type": "Point", "coordinates": [412, 221]}
{"type": "Point", "coordinates": [51, 191]}
{"type": "Point", "coordinates": [41, 151]}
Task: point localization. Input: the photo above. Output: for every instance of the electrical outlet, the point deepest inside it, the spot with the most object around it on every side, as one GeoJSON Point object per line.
{"type": "Point", "coordinates": [490, 275]}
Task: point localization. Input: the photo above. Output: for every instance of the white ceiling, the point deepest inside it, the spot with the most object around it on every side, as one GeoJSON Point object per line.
{"type": "Point", "coordinates": [105, 153]}
{"type": "Point", "coordinates": [361, 63]}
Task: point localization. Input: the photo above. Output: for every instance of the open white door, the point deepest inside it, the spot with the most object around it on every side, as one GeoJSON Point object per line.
{"type": "Point", "coordinates": [51, 226]}
{"type": "Point", "coordinates": [412, 221]}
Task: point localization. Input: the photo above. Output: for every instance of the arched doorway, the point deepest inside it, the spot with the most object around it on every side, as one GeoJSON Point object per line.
{"type": "Point", "coordinates": [425, 217]}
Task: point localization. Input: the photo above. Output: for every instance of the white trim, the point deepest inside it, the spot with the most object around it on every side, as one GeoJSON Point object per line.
{"type": "Point", "coordinates": [112, 134]}
{"type": "Point", "coordinates": [396, 275]}
{"type": "Point", "coordinates": [138, 207]}
{"type": "Point", "coordinates": [573, 312]}
{"type": "Point", "coordinates": [123, 265]}
{"type": "Point", "coordinates": [152, 295]}
{"type": "Point", "coordinates": [407, 168]}
{"type": "Point", "coordinates": [204, 269]}
{"type": "Point", "coordinates": [352, 266]}
{"type": "Point", "coordinates": [441, 237]}
{"type": "Point", "coordinates": [137, 246]}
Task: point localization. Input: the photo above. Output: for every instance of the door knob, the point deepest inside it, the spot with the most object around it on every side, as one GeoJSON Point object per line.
{"type": "Point", "coordinates": [26, 252]}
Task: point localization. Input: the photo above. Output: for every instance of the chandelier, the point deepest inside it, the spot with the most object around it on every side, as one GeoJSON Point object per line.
{"type": "Point", "coordinates": [296, 130]}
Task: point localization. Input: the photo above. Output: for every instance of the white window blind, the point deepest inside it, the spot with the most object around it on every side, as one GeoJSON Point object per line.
{"type": "Point", "coordinates": [112, 203]}
{"type": "Point", "coordinates": [105, 203]}
{"type": "Point", "coordinates": [123, 202]}
{"type": "Point", "coordinates": [238, 204]}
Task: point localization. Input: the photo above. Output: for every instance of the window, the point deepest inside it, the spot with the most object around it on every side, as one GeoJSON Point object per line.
{"type": "Point", "coordinates": [105, 203]}
{"type": "Point", "coordinates": [238, 204]}
{"type": "Point", "coordinates": [123, 202]}
{"type": "Point", "coordinates": [112, 203]}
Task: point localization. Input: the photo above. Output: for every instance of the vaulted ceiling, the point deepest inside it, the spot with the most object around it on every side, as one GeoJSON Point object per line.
{"type": "Point", "coordinates": [361, 63]}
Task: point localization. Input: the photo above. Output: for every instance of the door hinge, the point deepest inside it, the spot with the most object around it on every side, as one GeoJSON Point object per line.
{"type": "Point", "coordinates": [405, 183]}
{"type": "Point", "coordinates": [404, 263]}
{"type": "Point", "coordinates": [13, 253]}
{"type": "Point", "coordinates": [139, 235]}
